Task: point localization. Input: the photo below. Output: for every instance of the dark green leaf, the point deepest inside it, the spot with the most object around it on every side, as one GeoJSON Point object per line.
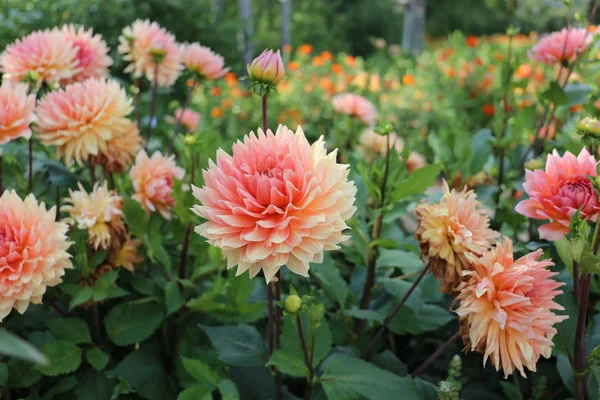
{"type": "Point", "coordinates": [555, 94]}
{"type": "Point", "coordinates": [133, 322]}
{"type": "Point", "coordinates": [144, 374]}
{"type": "Point", "coordinates": [64, 357]}
{"type": "Point", "coordinates": [73, 330]}
{"type": "Point", "coordinates": [97, 358]}
{"type": "Point", "coordinates": [14, 346]}
{"type": "Point", "coordinates": [201, 372]}
{"type": "Point", "coordinates": [196, 392]}
{"type": "Point", "coordinates": [82, 296]}
{"type": "Point", "coordinates": [417, 182]}
{"type": "Point", "coordinates": [174, 298]}
{"type": "Point", "coordinates": [289, 363]}
{"type": "Point", "coordinates": [21, 374]}
{"type": "Point", "coordinates": [239, 345]}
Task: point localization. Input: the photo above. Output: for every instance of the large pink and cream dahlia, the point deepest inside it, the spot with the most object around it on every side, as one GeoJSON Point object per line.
{"type": "Point", "coordinates": [145, 44]}
{"type": "Point", "coordinates": [16, 111]}
{"type": "Point", "coordinates": [203, 61]}
{"type": "Point", "coordinates": [153, 179]}
{"type": "Point", "coordinates": [92, 56]}
{"type": "Point", "coordinates": [47, 53]}
{"type": "Point", "coordinates": [82, 118]}
{"type": "Point", "coordinates": [120, 151]}
{"type": "Point", "coordinates": [453, 234]}
{"type": "Point", "coordinates": [562, 46]}
{"type": "Point", "coordinates": [276, 201]}
{"type": "Point", "coordinates": [506, 309]}
{"type": "Point", "coordinates": [355, 106]}
{"type": "Point", "coordinates": [33, 251]}
{"type": "Point", "coordinates": [557, 192]}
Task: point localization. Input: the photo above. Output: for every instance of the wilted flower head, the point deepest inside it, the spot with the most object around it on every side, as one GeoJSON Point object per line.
{"type": "Point", "coordinates": [92, 54]}
{"type": "Point", "coordinates": [124, 253]}
{"type": "Point", "coordinates": [506, 309]}
{"type": "Point", "coordinates": [277, 201]}
{"type": "Point", "coordinates": [99, 212]}
{"type": "Point", "coordinates": [47, 53]}
{"type": "Point", "coordinates": [453, 234]}
{"type": "Point", "coordinates": [16, 111]}
{"type": "Point", "coordinates": [558, 192]}
{"type": "Point", "coordinates": [562, 46]}
{"type": "Point", "coordinates": [33, 251]}
{"type": "Point", "coordinates": [356, 106]}
{"type": "Point", "coordinates": [145, 44]}
{"type": "Point", "coordinates": [267, 68]}
{"type": "Point", "coordinates": [81, 119]}
{"type": "Point", "coordinates": [153, 180]}
{"type": "Point", "coordinates": [203, 61]}
{"type": "Point", "coordinates": [120, 151]}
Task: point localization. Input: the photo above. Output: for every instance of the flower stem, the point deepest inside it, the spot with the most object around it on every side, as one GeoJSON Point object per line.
{"type": "Point", "coordinates": [390, 317]}
{"type": "Point", "coordinates": [92, 172]}
{"type": "Point", "coordinates": [580, 350]}
{"type": "Point", "coordinates": [31, 164]}
{"type": "Point", "coordinates": [188, 96]}
{"type": "Point", "coordinates": [152, 104]}
{"type": "Point", "coordinates": [264, 111]}
{"type": "Point", "coordinates": [138, 101]}
{"type": "Point", "coordinates": [307, 359]}
{"type": "Point", "coordinates": [434, 356]}
{"type": "Point", "coordinates": [365, 301]}
{"type": "Point", "coordinates": [184, 251]}
{"type": "Point", "coordinates": [96, 323]}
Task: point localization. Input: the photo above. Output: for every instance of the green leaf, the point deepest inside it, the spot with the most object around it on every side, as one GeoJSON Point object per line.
{"type": "Point", "coordinates": [511, 391]}
{"type": "Point", "coordinates": [74, 330]}
{"type": "Point", "coordinates": [583, 254]}
{"type": "Point", "coordinates": [407, 261]}
{"type": "Point", "coordinates": [384, 243]}
{"type": "Point", "coordinates": [555, 94]}
{"type": "Point", "coordinates": [417, 182]}
{"type": "Point", "coordinates": [97, 258]}
{"type": "Point", "coordinates": [196, 392]}
{"type": "Point", "coordinates": [66, 384]}
{"type": "Point", "coordinates": [371, 315]}
{"type": "Point", "coordinates": [94, 386]}
{"type": "Point", "coordinates": [228, 390]}
{"type": "Point", "coordinates": [288, 363]}
{"type": "Point", "coordinates": [578, 93]}
{"type": "Point", "coordinates": [398, 288]}
{"type": "Point", "coordinates": [133, 322]}
{"type": "Point", "coordinates": [331, 280]}
{"type": "Point", "coordinates": [563, 248]}
{"type": "Point", "coordinates": [3, 375]}
{"type": "Point", "coordinates": [238, 345]}
{"type": "Point", "coordinates": [174, 298]}
{"type": "Point", "coordinates": [144, 374]}
{"type": "Point", "coordinates": [350, 378]}
{"type": "Point", "coordinates": [97, 358]}
{"type": "Point", "coordinates": [82, 296]}
{"type": "Point", "coordinates": [14, 346]}
{"type": "Point", "coordinates": [201, 372]}
{"type": "Point", "coordinates": [429, 318]}
{"type": "Point", "coordinates": [154, 242]}
{"type": "Point", "coordinates": [481, 150]}
{"type": "Point", "coordinates": [21, 374]}
{"type": "Point", "coordinates": [135, 216]}
{"type": "Point", "coordinates": [64, 357]}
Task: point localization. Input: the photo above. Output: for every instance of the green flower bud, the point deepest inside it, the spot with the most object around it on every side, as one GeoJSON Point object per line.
{"type": "Point", "coordinates": [293, 303]}
{"type": "Point", "coordinates": [535, 163]}
{"type": "Point", "coordinates": [588, 126]}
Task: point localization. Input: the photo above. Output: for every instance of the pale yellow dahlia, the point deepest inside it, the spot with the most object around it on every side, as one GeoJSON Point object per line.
{"type": "Point", "coordinates": [453, 234]}
{"type": "Point", "coordinates": [99, 212]}
{"type": "Point", "coordinates": [81, 119]}
{"type": "Point", "coordinates": [120, 151]}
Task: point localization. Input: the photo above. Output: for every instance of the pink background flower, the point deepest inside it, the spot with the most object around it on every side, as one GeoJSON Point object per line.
{"type": "Point", "coordinates": [92, 53]}
{"type": "Point", "coordinates": [558, 192]}
{"type": "Point", "coordinates": [277, 201]}
{"type": "Point", "coordinates": [563, 45]}
{"type": "Point", "coordinates": [203, 61]}
{"type": "Point", "coordinates": [355, 105]}
{"type": "Point", "coordinates": [16, 112]}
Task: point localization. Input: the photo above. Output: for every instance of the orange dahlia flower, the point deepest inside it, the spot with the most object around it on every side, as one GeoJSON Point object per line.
{"type": "Point", "coordinates": [276, 201]}
{"type": "Point", "coordinates": [506, 309]}
{"type": "Point", "coordinates": [16, 112]}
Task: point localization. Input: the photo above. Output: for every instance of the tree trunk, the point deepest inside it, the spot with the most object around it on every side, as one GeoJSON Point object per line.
{"type": "Point", "coordinates": [413, 36]}
{"type": "Point", "coordinates": [286, 19]}
{"type": "Point", "coordinates": [245, 35]}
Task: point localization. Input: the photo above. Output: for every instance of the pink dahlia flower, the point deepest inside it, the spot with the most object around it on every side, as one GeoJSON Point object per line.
{"type": "Point", "coordinates": [144, 44]}
{"type": "Point", "coordinates": [558, 192]}
{"type": "Point", "coordinates": [277, 201]}
{"type": "Point", "coordinates": [564, 45]}
{"type": "Point", "coordinates": [189, 118]}
{"type": "Point", "coordinates": [92, 56]}
{"type": "Point", "coordinates": [33, 252]}
{"type": "Point", "coordinates": [82, 118]}
{"type": "Point", "coordinates": [267, 68]}
{"type": "Point", "coordinates": [153, 180]}
{"type": "Point", "coordinates": [120, 151]}
{"type": "Point", "coordinates": [506, 309]}
{"type": "Point", "coordinates": [203, 61]}
{"type": "Point", "coordinates": [16, 112]}
{"type": "Point", "coordinates": [355, 106]}
{"type": "Point", "coordinates": [46, 53]}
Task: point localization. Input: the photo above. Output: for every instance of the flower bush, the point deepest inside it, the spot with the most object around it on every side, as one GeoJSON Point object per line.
{"type": "Point", "coordinates": [410, 219]}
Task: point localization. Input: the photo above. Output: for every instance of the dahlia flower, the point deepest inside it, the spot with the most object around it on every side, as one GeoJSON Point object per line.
{"type": "Point", "coordinates": [120, 151]}
{"type": "Point", "coordinates": [92, 54]}
{"type": "Point", "coordinates": [372, 145]}
{"type": "Point", "coordinates": [16, 112]}
{"type": "Point", "coordinates": [276, 201]}
{"type": "Point", "coordinates": [99, 212]}
{"type": "Point", "coordinates": [46, 53]}
{"type": "Point", "coordinates": [33, 251]}
{"type": "Point", "coordinates": [267, 68]}
{"type": "Point", "coordinates": [557, 192]}
{"type": "Point", "coordinates": [189, 119]}
{"type": "Point", "coordinates": [506, 309]}
{"type": "Point", "coordinates": [81, 119]}
{"type": "Point", "coordinates": [562, 46]}
{"type": "Point", "coordinates": [453, 234]}
{"type": "Point", "coordinates": [153, 180]}
{"type": "Point", "coordinates": [125, 254]}
{"type": "Point", "coordinates": [415, 161]}
{"type": "Point", "coordinates": [144, 44]}
{"type": "Point", "coordinates": [202, 61]}
{"type": "Point", "coordinates": [356, 106]}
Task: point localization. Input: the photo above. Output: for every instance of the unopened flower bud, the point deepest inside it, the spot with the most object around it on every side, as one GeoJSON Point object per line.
{"type": "Point", "coordinates": [157, 54]}
{"type": "Point", "coordinates": [293, 303]}
{"type": "Point", "coordinates": [32, 77]}
{"type": "Point", "coordinates": [588, 126]}
{"type": "Point", "coordinates": [267, 68]}
{"type": "Point", "coordinates": [535, 163]}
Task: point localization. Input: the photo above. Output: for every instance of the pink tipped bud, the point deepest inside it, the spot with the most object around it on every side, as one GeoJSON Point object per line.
{"type": "Point", "coordinates": [267, 68]}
